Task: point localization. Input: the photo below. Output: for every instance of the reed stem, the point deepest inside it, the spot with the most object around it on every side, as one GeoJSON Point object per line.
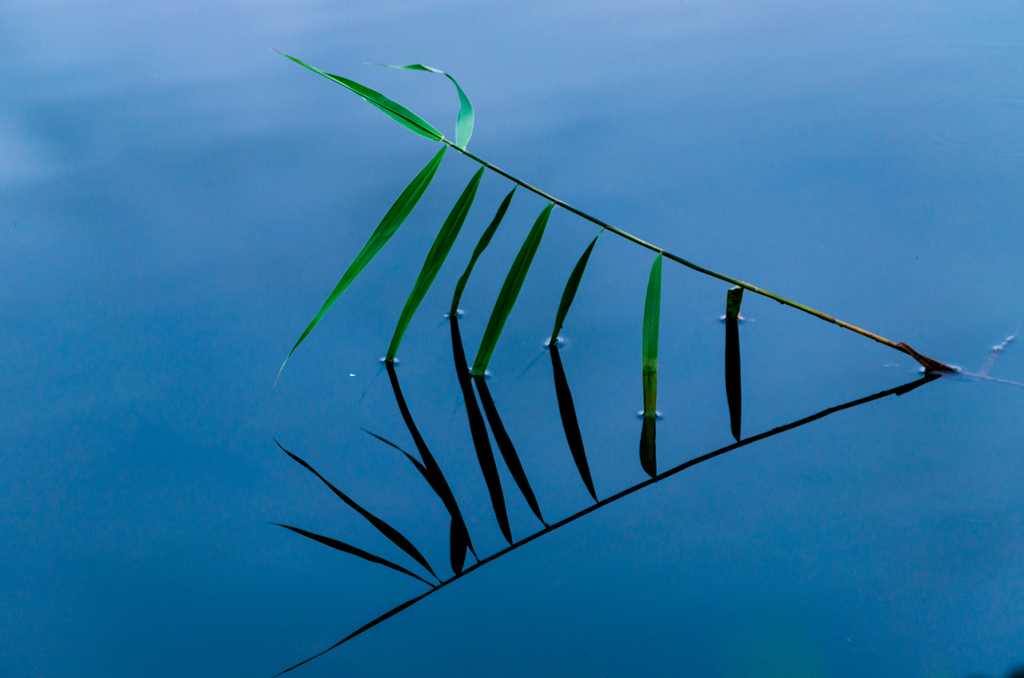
{"type": "Point", "coordinates": [928, 363]}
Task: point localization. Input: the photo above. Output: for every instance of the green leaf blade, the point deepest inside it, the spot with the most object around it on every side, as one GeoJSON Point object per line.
{"type": "Point", "coordinates": [464, 123]}
{"type": "Point", "coordinates": [651, 331]}
{"type": "Point", "coordinates": [435, 259]}
{"type": "Point", "coordinates": [481, 245]}
{"type": "Point", "coordinates": [388, 107]}
{"type": "Point", "coordinates": [733, 299]}
{"type": "Point", "coordinates": [391, 222]}
{"type": "Point", "coordinates": [509, 293]}
{"type": "Point", "coordinates": [569, 294]}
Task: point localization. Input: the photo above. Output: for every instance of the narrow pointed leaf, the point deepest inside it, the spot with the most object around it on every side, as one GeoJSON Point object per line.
{"type": "Point", "coordinates": [481, 245]}
{"type": "Point", "coordinates": [392, 109]}
{"type": "Point", "coordinates": [509, 293]}
{"type": "Point", "coordinates": [434, 475]}
{"type": "Point", "coordinates": [569, 293]}
{"type": "Point", "coordinates": [570, 424]}
{"type": "Point", "coordinates": [348, 548]}
{"type": "Point", "coordinates": [481, 443]}
{"type": "Point", "coordinates": [391, 222]}
{"type": "Point", "coordinates": [435, 259]}
{"type": "Point", "coordinates": [651, 331]}
{"type": "Point", "coordinates": [464, 124]}
{"type": "Point", "coordinates": [508, 450]}
{"type": "Point", "coordinates": [391, 533]}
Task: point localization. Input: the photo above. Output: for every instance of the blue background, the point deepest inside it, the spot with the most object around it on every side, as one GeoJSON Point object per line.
{"type": "Point", "coordinates": [176, 202]}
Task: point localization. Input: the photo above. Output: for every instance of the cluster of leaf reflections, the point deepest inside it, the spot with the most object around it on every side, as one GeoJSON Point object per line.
{"type": "Point", "coordinates": [459, 537]}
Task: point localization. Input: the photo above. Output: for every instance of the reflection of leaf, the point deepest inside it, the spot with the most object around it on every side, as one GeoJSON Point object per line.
{"type": "Point", "coordinates": [481, 245]}
{"type": "Point", "coordinates": [435, 259]}
{"type": "Point", "coordinates": [347, 548]}
{"type": "Point", "coordinates": [391, 533]}
{"type": "Point", "coordinates": [509, 293]}
{"type": "Point", "coordinates": [464, 123]}
{"type": "Point", "coordinates": [394, 110]}
{"type": "Point", "coordinates": [415, 462]}
{"type": "Point", "coordinates": [388, 226]}
{"type": "Point", "coordinates": [570, 424]}
{"type": "Point", "coordinates": [733, 384]}
{"type": "Point", "coordinates": [434, 476]}
{"type": "Point", "coordinates": [508, 450]}
{"type": "Point", "coordinates": [566, 408]}
{"type": "Point", "coordinates": [652, 325]}
{"type": "Point", "coordinates": [482, 444]}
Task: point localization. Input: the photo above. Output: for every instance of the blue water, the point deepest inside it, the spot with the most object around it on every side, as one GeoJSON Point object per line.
{"type": "Point", "coordinates": [176, 201]}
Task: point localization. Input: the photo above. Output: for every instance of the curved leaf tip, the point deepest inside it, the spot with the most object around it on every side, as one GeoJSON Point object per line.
{"type": "Point", "coordinates": [465, 121]}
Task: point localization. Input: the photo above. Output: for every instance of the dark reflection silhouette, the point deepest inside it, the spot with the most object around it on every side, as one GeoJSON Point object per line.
{"type": "Point", "coordinates": [482, 444]}
{"type": "Point", "coordinates": [459, 539]}
{"type": "Point", "coordinates": [897, 391]}
{"type": "Point", "coordinates": [352, 550]}
{"type": "Point", "coordinates": [508, 450]}
{"type": "Point", "coordinates": [733, 383]}
{"type": "Point", "coordinates": [393, 535]}
{"type": "Point", "coordinates": [648, 448]}
{"type": "Point", "coordinates": [571, 426]}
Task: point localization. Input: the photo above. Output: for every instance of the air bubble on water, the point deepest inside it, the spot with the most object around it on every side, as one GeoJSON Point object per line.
{"type": "Point", "coordinates": [657, 414]}
{"type": "Point", "coordinates": [561, 342]}
{"type": "Point", "coordinates": [459, 313]}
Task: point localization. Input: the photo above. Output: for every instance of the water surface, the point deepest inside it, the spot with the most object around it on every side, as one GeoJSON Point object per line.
{"type": "Point", "coordinates": [176, 201]}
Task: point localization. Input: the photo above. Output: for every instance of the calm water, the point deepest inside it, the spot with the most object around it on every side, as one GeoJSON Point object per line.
{"type": "Point", "coordinates": [176, 201]}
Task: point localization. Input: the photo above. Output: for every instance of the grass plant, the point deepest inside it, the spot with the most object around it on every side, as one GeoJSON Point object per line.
{"type": "Point", "coordinates": [483, 413]}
